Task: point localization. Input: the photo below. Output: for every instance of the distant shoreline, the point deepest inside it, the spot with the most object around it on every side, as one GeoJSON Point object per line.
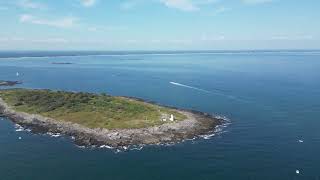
{"type": "Point", "coordinates": [62, 63]}
{"type": "Point", "coordinates": [49, 54]}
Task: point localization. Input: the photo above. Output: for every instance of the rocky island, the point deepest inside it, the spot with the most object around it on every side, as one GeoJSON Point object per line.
{"type": "Point", "coordinates": [9, 83]}
{"type": "Point", "coordinates": [101, 119]}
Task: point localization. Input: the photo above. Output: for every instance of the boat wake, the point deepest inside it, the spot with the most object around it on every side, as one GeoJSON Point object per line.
{"type": "Point", "coordinates": [190, 87]}
{"type": "Point", "coordinates": [215, 92]}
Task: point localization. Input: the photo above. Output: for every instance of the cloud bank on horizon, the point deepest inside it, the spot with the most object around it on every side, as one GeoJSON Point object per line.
{"type": "Point", "coordinates": [159, 24]}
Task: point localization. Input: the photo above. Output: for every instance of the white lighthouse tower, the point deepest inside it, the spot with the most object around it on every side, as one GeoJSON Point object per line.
{"type": "Point", "coordinates": [171, 117]}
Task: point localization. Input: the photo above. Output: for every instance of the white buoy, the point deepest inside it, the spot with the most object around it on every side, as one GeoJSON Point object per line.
{"type": "Point", "coordinates": [17, 74]}
{"type": "Point", "coordinates": [297, 171]}
{"type": "Point", "coordinates": [20, 138]}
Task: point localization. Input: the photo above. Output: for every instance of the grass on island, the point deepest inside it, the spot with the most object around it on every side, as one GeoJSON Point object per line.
{"type": "Point", "coordinates": [90, 110]}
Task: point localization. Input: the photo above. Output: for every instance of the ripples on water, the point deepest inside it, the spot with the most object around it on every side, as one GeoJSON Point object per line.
{"type": "Point", "coordinates": [271, 98]}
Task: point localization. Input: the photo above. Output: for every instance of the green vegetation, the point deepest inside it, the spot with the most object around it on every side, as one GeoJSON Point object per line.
{"type": "Point", "coordinates": [90, 110]}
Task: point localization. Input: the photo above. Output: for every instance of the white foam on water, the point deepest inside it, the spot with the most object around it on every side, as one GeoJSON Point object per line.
{"type": "Point", "coordinates": [81, 147]}
{"type": "Point", "coordinates": [137, 148]}
{"type": "Point", "coordinates": [208, 136]}
{"type": "Point", "coordinates": [219, 129]}
{"type": "Point", "coordinates": [19, 128]}
{"type": "Point", "coordinates": [54, 134]}
{"type": "Point", "coordinates": [115, 149]}
{"type": "Point", "coordinates": [106, 147]}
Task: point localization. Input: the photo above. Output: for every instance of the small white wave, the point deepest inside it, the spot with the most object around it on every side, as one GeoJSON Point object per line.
{"type": "Point", "coordinates": [208, 136]}
{"type": "Point", "coordinates": [18, 128]}
{"type": "Point", "coordinates": [54, 134]}
{"type": "Point", "coordinates": [106, 147]}
{"type": "Point", "coordinates": [219, 129]}
{"type": "Point", "coordinates": [139, 148]}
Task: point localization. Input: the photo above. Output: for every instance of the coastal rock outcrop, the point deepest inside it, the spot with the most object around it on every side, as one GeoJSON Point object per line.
{"type": "Point", "coordinates": [9, 83]}
{"type": "Point", "coordinates": [194, 125]}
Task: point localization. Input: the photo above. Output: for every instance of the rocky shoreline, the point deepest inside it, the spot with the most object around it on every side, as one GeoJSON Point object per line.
{"type": "Point", "coordinates": [9, 83]}
{"type": "Point", "coordinates": [195, 125]}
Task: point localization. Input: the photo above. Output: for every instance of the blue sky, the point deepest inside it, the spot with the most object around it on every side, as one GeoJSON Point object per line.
{"type": "Point", "coordinates": [159, 24]}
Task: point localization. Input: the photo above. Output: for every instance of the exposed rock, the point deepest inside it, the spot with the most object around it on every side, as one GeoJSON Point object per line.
{"type": "Point", "coordinates": [196, 124]}
{"type": "Point", "coordinates": [9, 83]}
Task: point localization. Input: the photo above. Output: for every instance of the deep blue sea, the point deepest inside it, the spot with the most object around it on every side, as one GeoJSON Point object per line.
{"type": "Point", "coordinates": [271, 97]}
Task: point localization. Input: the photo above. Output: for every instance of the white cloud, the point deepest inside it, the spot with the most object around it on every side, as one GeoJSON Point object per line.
{"type": "Point", "coordinates": [28, 4]}
{"type": "Point", "coordinates": [105, 28]}
{"type": "Point", "coordinates": [66, 22]}
{"type": "Point", "coordinates": [206, 37]}
{"type": "Point", "coordinates": [185, 5]}
{"type": "Point", "coordinates": [10, 39]}
{"type": "Point", "coordinates": [50, 40]}
{"type": "Point", "coordinates": [294, 37]}
{"type": "Point", "coordinates": [129, 4]}
{"type": "Point", "coordinates": [256, 1]}
{"type": "Point", "coordinates": [220, 10]}
{"type": "Point", "coordinates": [88, 3]}
{"type": "Point", "coordinates": [188, 5]}
{"type": "Point", "coordinates": [43, 40]}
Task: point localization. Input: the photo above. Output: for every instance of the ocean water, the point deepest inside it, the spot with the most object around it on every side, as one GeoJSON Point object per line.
{"type": "Point", "coordinates": [272, 99]}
